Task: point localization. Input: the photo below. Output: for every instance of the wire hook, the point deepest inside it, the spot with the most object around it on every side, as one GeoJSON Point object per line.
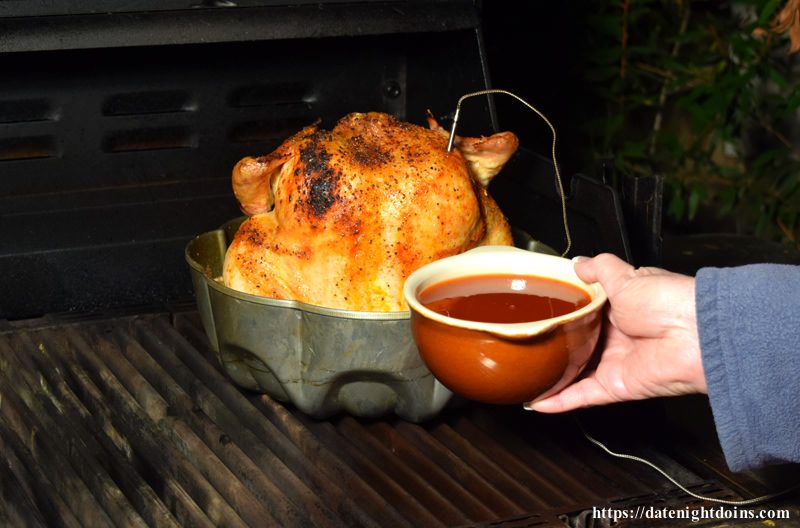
{"type": "Point", "coordinates": [490, 91]}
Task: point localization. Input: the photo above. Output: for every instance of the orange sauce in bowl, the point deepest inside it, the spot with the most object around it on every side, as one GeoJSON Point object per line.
{"type": "Point", "coordinates": [503, 298]}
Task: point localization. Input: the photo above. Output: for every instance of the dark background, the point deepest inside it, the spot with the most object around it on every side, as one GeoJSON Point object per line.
{"type": "Point", "coordinates": [534, 51]}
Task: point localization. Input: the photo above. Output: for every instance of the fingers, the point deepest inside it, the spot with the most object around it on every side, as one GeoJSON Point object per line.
{"type": "Point", "coordinates": [585, 393]}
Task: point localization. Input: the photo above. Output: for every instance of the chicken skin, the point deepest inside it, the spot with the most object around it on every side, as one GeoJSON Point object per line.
{"type": "Point", "coordinates": [341, 218]}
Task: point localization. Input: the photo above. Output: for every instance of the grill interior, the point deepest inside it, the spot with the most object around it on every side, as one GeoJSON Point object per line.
{"type": "Point", "coordinates": [118, 130]}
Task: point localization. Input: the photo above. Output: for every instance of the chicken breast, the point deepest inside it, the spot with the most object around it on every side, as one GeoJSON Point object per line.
{"type": "Point", "coordinates": [341, 218]}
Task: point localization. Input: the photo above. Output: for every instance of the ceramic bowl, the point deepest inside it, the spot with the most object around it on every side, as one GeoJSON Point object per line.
{"type": "Point", "coordinates": [504, 363]}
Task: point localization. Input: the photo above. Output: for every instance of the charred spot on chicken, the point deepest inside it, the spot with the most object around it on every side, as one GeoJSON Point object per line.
{"type": "Point", "coordinates": [319, 179]}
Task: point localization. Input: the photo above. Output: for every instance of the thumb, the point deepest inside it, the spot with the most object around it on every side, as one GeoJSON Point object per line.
{"type": "Point", "coordinates": [607, 269]}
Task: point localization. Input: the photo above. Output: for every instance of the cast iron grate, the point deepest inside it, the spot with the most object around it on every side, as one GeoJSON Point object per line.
{"type": "Point", "coordinates": [126, 421]}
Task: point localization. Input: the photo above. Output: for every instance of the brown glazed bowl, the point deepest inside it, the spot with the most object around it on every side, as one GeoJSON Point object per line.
{"type": "Point", "coordinates": [504, 363]}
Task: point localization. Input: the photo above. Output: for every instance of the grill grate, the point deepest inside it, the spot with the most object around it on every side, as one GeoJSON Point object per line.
{"type": "Point", "coordinates": [126, 421]}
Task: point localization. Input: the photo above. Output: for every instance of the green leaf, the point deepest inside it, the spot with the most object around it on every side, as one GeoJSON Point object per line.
{"type": "Point", "coordinates": [793, 102]}
{"type": "Point", "coordinates": [676, 206]}
{"type": "Point", "coordinates": [727, 199]}
{"type": "Point", "coordinates": [634, 149]}
{"type": "Point", "coordinates": [791, 186]}
{"type": "Point", "coordinates": [766, 158]}
{"type": "Point", "coordinates": [768, 11]}
{"type": "Point", "coordinates": [777, 77]}
{"type": "Point", "coordinates": [695, 197]}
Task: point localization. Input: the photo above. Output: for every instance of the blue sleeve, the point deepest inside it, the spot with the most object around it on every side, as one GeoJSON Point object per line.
{"type": "Point", "coordinates": [748, 319]}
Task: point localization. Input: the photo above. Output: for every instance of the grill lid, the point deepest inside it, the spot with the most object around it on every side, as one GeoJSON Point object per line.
{"type": "Point", "coordinates": [71, 25]}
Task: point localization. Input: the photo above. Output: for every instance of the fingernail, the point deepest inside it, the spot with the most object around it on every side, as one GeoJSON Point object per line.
{"type": "Point", "coordinates": [528, 406]}
{"type": "Point", "coordinates": [579, 258]}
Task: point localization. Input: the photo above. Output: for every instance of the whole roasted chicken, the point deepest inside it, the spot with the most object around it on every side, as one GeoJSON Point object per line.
{"type": "Point", "coordinates": [340, 218]}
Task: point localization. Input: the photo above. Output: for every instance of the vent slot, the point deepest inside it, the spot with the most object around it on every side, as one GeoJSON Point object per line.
{"type": "Point", "coordinates": [24, 148]}
{"type": "Point", "coordinates": [149, 139]}
{"type": "Point", "coordinates": [263, 130]}
{"type": "Point", "coordinates": [27, 111]}
{"type": "Point", "coordinates": [142, 103]}
{"type": "Point", "coordinates": [277, 94]}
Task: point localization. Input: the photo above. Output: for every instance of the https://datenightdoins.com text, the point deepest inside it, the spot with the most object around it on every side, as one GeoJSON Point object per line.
{"type": "Point", "coordinates": [690, 513]}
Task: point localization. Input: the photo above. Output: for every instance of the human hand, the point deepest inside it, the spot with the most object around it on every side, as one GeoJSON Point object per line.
{"type": "Point", "coordinates": [651, 346]}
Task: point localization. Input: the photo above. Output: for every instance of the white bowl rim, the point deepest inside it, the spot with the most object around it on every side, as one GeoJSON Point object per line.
{"type": "Point", "coordinates": [505, 259]}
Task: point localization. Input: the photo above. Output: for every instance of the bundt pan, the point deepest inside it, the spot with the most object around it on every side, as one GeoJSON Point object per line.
{"type": "Point", "coordinates": [324, 361]}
